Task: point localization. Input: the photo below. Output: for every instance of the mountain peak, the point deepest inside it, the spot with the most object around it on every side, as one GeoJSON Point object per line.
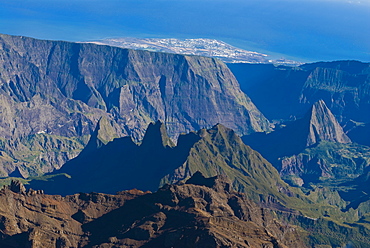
{"type": "Point", "coordinates": [17, 187]}
{"type": "Point", "coordinates": [157, 132]}
{"type": "Point", "coordinates": [104, 132]}
{"type": "Point", "coordinates": [323, 125]}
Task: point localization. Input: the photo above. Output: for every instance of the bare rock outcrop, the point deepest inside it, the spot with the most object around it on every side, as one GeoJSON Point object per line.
{"type": "Point", "coordinates": [323, 126]}
{"type": "Point", "coordinates": [203, 212]}
{"type": "Point", "coordinates": [200, 213]}
{"type": "Point", "coordinates": [33, 219]}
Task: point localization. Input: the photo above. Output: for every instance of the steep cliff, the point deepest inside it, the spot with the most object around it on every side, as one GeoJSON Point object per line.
{"type": "Point", "coordinates": [323, 125]}
{"type": "Point", "coordinates": [312, 149]}
{"type": "Point", "coordinates": [282, 92]}
{"type": "Point", "coordinates": [62, 89]}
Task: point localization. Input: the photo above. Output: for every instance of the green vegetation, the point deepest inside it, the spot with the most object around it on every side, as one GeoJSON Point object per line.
{"type": "Point", "coordinates": [212, 152]}
{"type": "Point", "coordinates": [330, 163]}
{"type": "Point", "coordinates": [52, 177]}
{"type": "Point", "coordinates": [6, 181]}
{"type": "Point", "coordinates": [37, 154]}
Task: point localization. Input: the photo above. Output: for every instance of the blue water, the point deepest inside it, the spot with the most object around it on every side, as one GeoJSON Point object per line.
{"type": "Point", "coordinates": [307, 30]}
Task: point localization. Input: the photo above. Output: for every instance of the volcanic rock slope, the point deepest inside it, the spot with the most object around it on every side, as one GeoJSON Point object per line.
{"type": "Point", "coordinates": [201, 213]}
{"type": "Point", "coordinates": [52, 93]}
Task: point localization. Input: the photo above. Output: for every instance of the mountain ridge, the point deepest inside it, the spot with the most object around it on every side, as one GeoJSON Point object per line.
{"type": "Point", "coordinates": [123, 164]}
{"type": "Point", "coordinates": [62, 89]}
{"type": "Point", "coordinates": [343, 85]}
{"type": "Point", "coordinates": [192, 214]}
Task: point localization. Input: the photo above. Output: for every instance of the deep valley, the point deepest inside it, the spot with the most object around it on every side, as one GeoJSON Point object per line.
{"type": "Point", "coordinates": [103, 146]}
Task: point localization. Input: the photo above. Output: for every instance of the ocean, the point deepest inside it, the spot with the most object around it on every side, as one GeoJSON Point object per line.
{"type": "Point", "coordinates": [304, 30]}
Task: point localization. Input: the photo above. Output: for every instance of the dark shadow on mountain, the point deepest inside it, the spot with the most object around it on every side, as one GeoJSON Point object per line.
{"type": "Point", "coordinates": [120, 164]}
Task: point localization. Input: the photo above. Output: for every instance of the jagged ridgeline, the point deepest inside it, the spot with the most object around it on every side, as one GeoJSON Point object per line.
{"type": "Point", "coordinates": [52, 93]}
{"type": "Point", "coordinates": [203, 212]}
{"type": "Point", "coordinates": [123, 164]}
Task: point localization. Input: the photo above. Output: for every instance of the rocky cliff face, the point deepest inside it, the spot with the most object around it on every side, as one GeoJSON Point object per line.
{"type": "Point", "coordinates": [62, 89]}
{"type": "Point", "coordinates": [312, 148]}
{"type": "Point", "coordinates": [288, 92]}
{"type": "Point", "coordinates": [201, 213]}
{"type": "Point", "coordinates": [343, 85]}
{"type": "Point", "coordinates": [38, 220]}
{"type": "Point", "coordinates": [323, 126]}
{"type": "Point", "coordinates": [318, 124]}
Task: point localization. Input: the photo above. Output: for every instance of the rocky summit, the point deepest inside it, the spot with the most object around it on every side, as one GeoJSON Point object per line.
{"type": "Point", "coordinates": [311, 149]}
{"type": "Point", "coordinates": [52, 94]}
{"type": "Point", "coordinates": [203, 212]}
{"type": "Point", "coordinates": [323, 126]}
{"type": "Point", "coordinates": [318, 124]}
{"type": "Point", "coordinates": [156, 161]}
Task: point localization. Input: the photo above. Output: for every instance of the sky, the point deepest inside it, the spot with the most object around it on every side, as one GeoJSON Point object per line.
{"type": "Point", "coordinates": [305, 30]}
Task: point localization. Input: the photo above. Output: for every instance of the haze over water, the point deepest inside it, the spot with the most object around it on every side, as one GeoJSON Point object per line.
{"type": "Point", "coordinates": [305, 30]}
